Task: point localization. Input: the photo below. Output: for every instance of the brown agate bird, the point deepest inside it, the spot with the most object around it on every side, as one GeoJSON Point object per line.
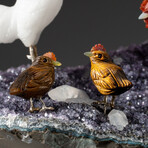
{"type": "Point", "coordinates": [36, 81]}
{"type": "Point", "coordinates": [107, 76]}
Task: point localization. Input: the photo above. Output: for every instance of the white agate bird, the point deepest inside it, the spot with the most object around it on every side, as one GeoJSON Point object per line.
{"type": "Point", "coordinates": [26, 20]}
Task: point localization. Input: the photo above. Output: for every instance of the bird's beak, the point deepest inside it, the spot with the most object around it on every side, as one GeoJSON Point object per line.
{"type": "Point", "coordinates": [143, 16]}
{"type": "Point", "coordinates": [88, 54]}
{"type": "Point", "coordinates": [56, 63]}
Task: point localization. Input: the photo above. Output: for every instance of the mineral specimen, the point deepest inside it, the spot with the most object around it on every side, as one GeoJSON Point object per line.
{"type": "Point", "coordinates": [81, 120]}
{"type": "Point", "coordinates": [66, 93]}
{"type": "Point", "coordinates": [118, 119]}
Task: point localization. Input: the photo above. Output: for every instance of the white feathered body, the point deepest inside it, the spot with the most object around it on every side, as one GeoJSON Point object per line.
{"type": "Point", "coordinates": [27, 19]}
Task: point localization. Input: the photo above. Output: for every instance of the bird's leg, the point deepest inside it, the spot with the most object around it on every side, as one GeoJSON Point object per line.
{"type": "Point", "coordinates": [44, 107]}
{"type": "Point", "coordinates": [32, 108]}
{"type": "Point", "coordinates": [113, 102]}
{"type": "Point", "coordinates": [33, 53]}
{"type": "Point", "coordinates": [105, 104]}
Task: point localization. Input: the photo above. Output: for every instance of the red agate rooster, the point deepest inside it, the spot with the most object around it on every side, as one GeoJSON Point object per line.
{"type": "Point", "coordinates": [144, 9]}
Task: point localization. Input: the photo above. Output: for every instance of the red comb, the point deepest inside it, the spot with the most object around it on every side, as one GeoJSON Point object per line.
{"type": "Point", "coordinates": [144, 6]}
{"type": "Point", "coordinates": [50, 55]}
{"type": "Point", "coordinates": [98, 47]}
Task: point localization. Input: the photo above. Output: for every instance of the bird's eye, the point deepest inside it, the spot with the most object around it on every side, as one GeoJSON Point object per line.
{"type": "Point", "coordinates": [100, 56]}
{"type": "Point", "coordinates": [44, 60]}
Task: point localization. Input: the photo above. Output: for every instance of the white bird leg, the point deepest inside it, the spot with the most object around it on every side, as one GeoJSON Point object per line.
{"type": "Point", "coordinates": [33, 53]}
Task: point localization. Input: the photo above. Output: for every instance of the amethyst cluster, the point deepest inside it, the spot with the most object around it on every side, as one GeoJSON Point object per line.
{"type": "Point", "coordinates": [80, 119]}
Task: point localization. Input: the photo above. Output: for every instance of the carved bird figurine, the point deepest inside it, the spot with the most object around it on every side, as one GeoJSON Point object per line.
{"type": "Point", "coordinates": [36, 81]}
{"type": "Point", "coordinates": [106, 76]}
{"type": "Point", "coordinates": [26, 20]}
{"type": "Point", "coordinates": [144, 9]}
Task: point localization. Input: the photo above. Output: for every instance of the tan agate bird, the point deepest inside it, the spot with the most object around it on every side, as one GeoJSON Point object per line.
{"type": "Point", "coordinates": [109, 78]}
{"type": "Point", "coordinates": [36, 81]}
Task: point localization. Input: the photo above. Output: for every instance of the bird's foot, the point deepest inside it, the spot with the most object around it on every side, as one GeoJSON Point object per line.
{"type": "Point", "coordinates": [101, 103]}
{"type": "Point", "coordinates": [44, 108]}
{"type": "Point", "coordinates": [32, 109]}
{"type": "Point", "coordinates": [98, 104]}
{"type": "Point", "coordinates": [112, 105]}
{"type": "Point", "coordinates": [29, 57]}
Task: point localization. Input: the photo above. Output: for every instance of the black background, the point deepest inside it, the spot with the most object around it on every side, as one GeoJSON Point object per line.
{"type": "Point", "coordinates": [79, 25]}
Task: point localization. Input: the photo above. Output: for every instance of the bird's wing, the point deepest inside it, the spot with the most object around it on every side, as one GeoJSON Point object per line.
{"type": "Point", "coordinates": [19, 84]}
{"type": "Point", "coordinates": [39, 79]}
{"type": "Point", "coordinates": [119, 76]}
{"type": "Point", "coordinates": [7, 24]}
{"type": "Point", "coordinates": [30, 80]}
{"type": "Point", "coordinates": [103, 79]}
{"type": "Point", "coordinates": [110, 77]}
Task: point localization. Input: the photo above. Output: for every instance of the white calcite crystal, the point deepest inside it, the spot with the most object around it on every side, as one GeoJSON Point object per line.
{"type": "Point", "coordinates": [66, 93]}
{"type": "Point", "coordinates": [27, 19]}
{"type": "Point", "coordinates": [118, 119]}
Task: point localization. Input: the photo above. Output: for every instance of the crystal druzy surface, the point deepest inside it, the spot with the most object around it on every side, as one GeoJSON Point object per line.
{"type": "Point", "coordinates": [81, 120]}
